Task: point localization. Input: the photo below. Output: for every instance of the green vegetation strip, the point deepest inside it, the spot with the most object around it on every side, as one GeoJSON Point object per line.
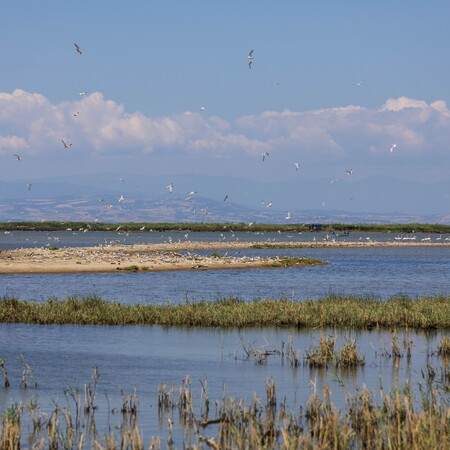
{"type": "Point", "coordinates": [221, 227]}
{"type": "Point", "coordinates": [334, 311]}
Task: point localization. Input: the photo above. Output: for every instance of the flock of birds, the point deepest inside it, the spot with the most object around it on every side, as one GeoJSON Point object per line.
{"type": "Point", "coordinates": [190, 195]}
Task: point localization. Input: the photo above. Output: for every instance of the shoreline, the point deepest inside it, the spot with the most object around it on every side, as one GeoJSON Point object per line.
{"type": "Point", "coordinates": [164, 256]}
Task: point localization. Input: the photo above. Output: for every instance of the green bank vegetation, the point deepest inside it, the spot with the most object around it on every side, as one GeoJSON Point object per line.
{"type": "Point", "coordinates": [331, 311]}
{"type": "Point", "coordinates": [221, 227]}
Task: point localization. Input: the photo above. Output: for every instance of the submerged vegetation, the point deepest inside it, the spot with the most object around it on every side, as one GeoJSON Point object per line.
{"type": "Point", "coordinates": [331, 311]}
{"type": "Point", "coordinates": [221, 227]}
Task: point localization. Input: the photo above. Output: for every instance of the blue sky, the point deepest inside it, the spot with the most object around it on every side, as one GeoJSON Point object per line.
{"type": "Point", "coordinates": [332, 86]}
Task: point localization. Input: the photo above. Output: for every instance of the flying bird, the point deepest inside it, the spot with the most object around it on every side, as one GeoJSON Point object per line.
{"type": "Point", "coordinates": [190, 194]}
{"type": "Point", "coordinates": [358, 83]}
{"type": "Point", "coordinates": [288, 215]}
{"type": "Point", "coordinates": [392, 148]}
{"type": "Point", "coordinates": [250, 59]}
{"type": "Point", "coordinates": [121, 199]}
{"type": "Point", "coordinates": [297, 166]}
{"type": "Point", "coordinates": [269, 205]}
{"type": "Point", "coordinates": [65, 144]}
{"type": "Point", "coordinates": [264, 155]}
{"type": "Point", "coordinates": [78, 49]}
{"type": "Point", "coordinates": [349, 172]}
{"type": "Point", "coordinates": [202, 108]}
{"type": "Point", "coordinates": [225, 198]}
{"type": "Point", "coordinates": [29, 186]}
{"type": "Point", "coordinates": [170, 188]}
{"type": "Point", "coordinates": [82, 93]}
{"type": "Point", "coordinates": [18, 157]}
{"type": "Point", "coordinates": [75, 114]}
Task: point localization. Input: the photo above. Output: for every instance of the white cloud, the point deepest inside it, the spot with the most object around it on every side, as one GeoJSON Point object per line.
{"type": "Point", "coordinates": [30, 122]}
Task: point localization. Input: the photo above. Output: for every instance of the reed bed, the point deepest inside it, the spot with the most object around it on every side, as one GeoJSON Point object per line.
{"type": "Point", "coordinates": [331, 311]}
{"type": "Point", "coordinates": [392, 422]}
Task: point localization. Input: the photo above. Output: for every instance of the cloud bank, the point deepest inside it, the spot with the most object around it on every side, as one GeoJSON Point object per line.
{"type": "Point", "coordinates": [30, 123]}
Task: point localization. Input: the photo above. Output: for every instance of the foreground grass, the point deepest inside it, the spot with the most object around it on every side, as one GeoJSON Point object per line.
{"type": "Point", "coordinates": [395, 423]}
{"type": "Point", "coordinates": [333, 311]}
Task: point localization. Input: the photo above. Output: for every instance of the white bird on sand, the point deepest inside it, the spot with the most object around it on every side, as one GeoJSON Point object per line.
{"type": "Point", "coordinates": [78, 49]}
{"type": "Point", "coordinates": [66, 145]}
{"type": "Point", "coordinates": [250, 59]}
{"type": "Point", "coordinates": [264, 155]}
{"type": "Point", "coordinates": [18, 157]}
{"type": "Point", "coordinates": [297, 166]}
{"type": "Point", "coordinates": [392, 148]}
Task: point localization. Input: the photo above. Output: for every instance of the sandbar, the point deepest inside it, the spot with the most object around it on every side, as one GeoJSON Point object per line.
{"type": "Point", "coordinates": [158, 257]}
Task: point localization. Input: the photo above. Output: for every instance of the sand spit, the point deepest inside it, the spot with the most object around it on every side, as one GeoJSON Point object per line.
{"type": "Point", "coordinates": [156, 257]}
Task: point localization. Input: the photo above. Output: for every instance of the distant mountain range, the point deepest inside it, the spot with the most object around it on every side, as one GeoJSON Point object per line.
{"type": "Point", "coordinates": [114, 198]}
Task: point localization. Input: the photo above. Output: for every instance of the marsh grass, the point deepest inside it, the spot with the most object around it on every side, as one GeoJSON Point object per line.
{"type": "Point", "coordinates": [395, 422]}
{"type": "Point", "coordinates": [444, 347]}
{"type": "Point", "coordinates": [330, 311]}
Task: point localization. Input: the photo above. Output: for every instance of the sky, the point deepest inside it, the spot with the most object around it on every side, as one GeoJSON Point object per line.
{"type": "Point", "coordinates": [168, 90]}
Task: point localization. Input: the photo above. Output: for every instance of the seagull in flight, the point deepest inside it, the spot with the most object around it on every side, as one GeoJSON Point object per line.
{"type": "Point", "coordinates": [202, 108]}
{"type": "Point", "coordinates": [392, 148]}
{"type": "Point", "coordinates": [225, 198]}
{"type": "Point", "coordinates": [288, 215]}
{"type": "Point", "coordinates": [358, 83]}
{"type": "Point", "coordinates": [65, 144]}
{"type": "Point", "coordinates": [121, 199]}
{"type": "Point", "coordinates": [349, 172]}
{"type": "Point", "coordinates": [264, 155]}
{"type": "Point", "coordinates": [250, 59]}
{"type": "Point", "coordinates": [170, 188]}
{"type": "Point", "coordinates": [297, 166]}
{"type": "Point", "coordinates": [78, 49]}
{"type": "Point", "coordinates": [269, 205]}
{"type": "Point", "coordinates": [18, 157]}
{"type": "Point", "coordinates": [29, 186]}
{"type": "Point", "coordinates": [82, 93]}
{"type": "Point", "coordinates": [75, 114]}
{"type": "Point", "coordinates": [190, 194]}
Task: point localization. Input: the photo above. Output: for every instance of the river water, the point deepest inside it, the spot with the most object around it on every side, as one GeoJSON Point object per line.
{"type": "Point", "coordinates": [143, 357]}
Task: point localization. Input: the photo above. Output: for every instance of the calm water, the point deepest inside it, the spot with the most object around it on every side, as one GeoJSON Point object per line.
{"type": "Point", "coordinates": [143, 357]}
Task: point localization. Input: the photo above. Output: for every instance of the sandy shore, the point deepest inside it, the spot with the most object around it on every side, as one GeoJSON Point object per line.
{"type": "Point", "coordinates": [155, 257]}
